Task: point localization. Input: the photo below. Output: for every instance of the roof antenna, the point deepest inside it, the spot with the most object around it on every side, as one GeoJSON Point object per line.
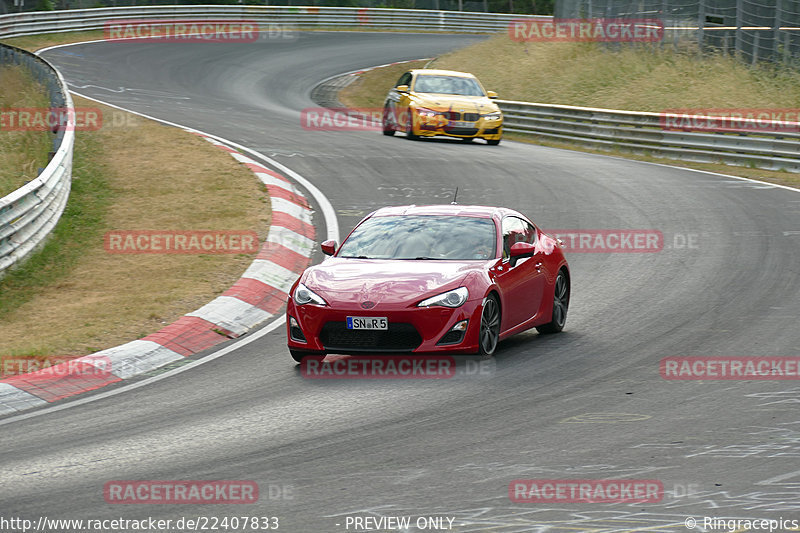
{"type": "Point", "coordinates": [454, 198]}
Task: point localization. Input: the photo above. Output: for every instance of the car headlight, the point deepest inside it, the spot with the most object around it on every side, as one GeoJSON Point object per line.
{"type": "Point", "coordinates": [303, 295]}
{"type": "Point", "coordinates": [495, 115]}
{"type": "Point", "coordinates": [454, 298]}
{"type": "Point", "coordinates": [421, 111]}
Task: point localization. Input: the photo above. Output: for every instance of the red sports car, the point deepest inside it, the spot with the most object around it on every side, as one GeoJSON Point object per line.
{"type": "Point", "coordinates": [430, 279]}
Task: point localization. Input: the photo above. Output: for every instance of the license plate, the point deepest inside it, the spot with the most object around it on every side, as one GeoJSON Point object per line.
{"type": "Point", "coordinates": [461, 124]}
{"type": "Point", "coordinates": [367, 322]}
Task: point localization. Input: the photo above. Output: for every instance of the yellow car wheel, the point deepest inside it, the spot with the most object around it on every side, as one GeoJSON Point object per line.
{"type": "Point", "coordinates": [410, 127]}
{"type": "Point", "coordinates": [388, 129]}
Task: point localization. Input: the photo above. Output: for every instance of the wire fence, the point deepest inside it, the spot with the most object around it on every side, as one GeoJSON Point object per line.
{"type": "Point", "coordinates": [540, 7]}
{"type": "Point", "coordinates": [754, 30]}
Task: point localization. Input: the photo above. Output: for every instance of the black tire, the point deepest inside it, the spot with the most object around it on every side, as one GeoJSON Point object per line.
{"type": "Point", "coordinates": [489, 334]}
{"type": "Point", "coordinates": [560, 306]}
{"type": "Point", "coordinates": [493, 142]}
{"type": "Point", "coordinates": [388, 129]}
{"type": "Point", "coordinates": [410, 127]}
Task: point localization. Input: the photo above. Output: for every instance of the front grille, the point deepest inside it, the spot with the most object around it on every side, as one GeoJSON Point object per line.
{"type": "Point", "coordinates": [462, 131]}
{"type": "Point", "coordinates": [398, 338]}
{"type": "Point", "coordinates": [456, 115]}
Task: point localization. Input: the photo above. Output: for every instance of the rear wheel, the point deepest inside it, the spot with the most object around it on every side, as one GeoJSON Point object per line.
{"type": "Point", "coordinates": [560, 306]}
{"type": "Point", "coordinates": [490, 327]}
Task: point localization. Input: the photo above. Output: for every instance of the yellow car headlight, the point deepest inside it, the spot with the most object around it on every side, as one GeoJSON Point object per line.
{"type": "Point", "coordinates": [423, 112]}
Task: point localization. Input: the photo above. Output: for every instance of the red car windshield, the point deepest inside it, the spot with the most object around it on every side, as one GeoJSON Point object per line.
{"type": "Point", "coordinates": [422, 237]}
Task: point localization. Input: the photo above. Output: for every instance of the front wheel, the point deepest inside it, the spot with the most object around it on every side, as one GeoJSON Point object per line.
{"type": "Point", "coordinates": [560, 306]}
{"type": "Point", "coordinates": [410, 127]}
{"type": "Point", "coordinates": [490, 327]}
{"type": "Point", "coordinates": [388, 129]}
{"type": "Point", "coordinates": [493, 142]}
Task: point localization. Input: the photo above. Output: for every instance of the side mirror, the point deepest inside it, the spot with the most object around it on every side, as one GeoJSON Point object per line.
{"type": "Point", "coordinates": [328, 247]}
{"type": "Point", "coordinates": [401, 88]}
{"type": "Point", "coordinates": [491, 94]}
{"type": "Point", "coordinates": [521, 249]}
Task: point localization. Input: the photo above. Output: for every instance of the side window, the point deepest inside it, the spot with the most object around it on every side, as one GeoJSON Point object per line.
{"type": "Point", "coordinates": [405, 79]}
{"type": "Point", "coordinates": [516, 230]}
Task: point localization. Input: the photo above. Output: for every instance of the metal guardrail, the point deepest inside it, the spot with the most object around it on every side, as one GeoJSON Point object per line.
{"type": "Point", "coordinates": [29, 214]}
{"type": "Point", "coordinates": [290, 17]}
{"type": "Point", "coordinates": [643, 133]}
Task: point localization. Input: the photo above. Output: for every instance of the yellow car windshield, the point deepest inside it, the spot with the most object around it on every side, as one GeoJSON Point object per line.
{"type": "Point", "coordinates": [448, 85]}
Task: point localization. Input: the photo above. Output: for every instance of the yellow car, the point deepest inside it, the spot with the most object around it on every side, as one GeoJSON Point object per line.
{"type": "Point", "coordinates": [425, 103]}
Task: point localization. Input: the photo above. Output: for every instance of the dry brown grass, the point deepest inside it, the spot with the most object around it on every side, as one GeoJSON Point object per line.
{"type": "Point", "coordinates": [585, 74]}
{"type": "Point", "coordinates": [22, 153]}
{"type": "Point", "coordinates": [638, 78]}
{"type": "Point", "coordinates": [160, 178]}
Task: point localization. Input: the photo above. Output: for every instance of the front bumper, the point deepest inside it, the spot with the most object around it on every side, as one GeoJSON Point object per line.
{"type": "Point", "coordinates": [411, 330]}
{"type": "Point", "coordinates": [427, 126]}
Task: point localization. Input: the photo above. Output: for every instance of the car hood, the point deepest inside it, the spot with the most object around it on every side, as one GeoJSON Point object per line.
{"type": "Point", "coordinates": [386, 281]}
{"type": "Point", "coordinates": [446, 102]}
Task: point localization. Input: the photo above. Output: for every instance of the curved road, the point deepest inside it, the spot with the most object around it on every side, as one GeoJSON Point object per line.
{"type": "Point", "coordinates": [588, 403]}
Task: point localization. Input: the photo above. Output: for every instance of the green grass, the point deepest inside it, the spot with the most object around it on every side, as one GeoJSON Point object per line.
{"type": "Point", "coordinates": [22, 153]}
{"type": "Point", "coordinates": [81, 225]}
